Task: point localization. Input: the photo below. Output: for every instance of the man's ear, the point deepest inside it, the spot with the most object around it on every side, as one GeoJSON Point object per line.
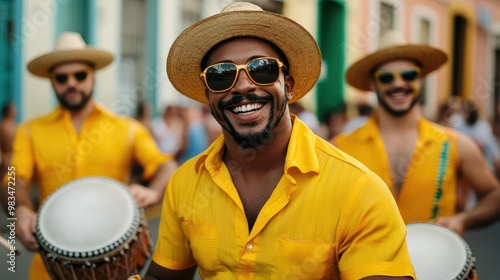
{"type": "Point", "coordinates": [289, 86]}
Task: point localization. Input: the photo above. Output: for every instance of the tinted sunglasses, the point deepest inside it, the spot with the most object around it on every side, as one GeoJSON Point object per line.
{"type": "Point", "coordinates": [222, 76]}
{"type": "Point", "coordinates": [63, 78]}
{"type": "Point", "coordinates": [385, 77]}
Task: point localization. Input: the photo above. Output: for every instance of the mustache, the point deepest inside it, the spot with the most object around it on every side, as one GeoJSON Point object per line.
{"type": "Point", "coordinates": [406, 90]}
{"type": "Point", "coordinates": [237, 99]}
{"type": "Point", "coordinates": [71, 90]}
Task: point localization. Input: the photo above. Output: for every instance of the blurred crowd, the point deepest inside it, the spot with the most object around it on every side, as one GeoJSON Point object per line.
{"type": "Point", "coordinates": [183, 131]}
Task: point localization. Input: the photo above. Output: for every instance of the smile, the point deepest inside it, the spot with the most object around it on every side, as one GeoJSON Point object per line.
{"type": "Point", "coordinates": [247, 108]}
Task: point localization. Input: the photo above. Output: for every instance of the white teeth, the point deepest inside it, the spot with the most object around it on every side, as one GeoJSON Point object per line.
{"type": "Point", "coordinates": [247, 108]}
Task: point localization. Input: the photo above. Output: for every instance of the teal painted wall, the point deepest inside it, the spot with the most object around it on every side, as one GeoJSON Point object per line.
{"type": "Point", "coordinates": [331, 39]}
{"type": "Point", "coordinates": [10, 53]}
{"type": "Point", "coordinates": [76, 15]}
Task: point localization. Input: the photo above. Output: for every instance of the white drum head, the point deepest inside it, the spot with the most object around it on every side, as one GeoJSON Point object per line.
{"type": "Point", "coordinates": [437, 253]}
{"type": "Point", "coordinates": [87, 217]}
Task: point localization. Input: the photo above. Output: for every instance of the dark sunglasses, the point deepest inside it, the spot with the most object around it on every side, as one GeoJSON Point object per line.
{"type": "Point", "coordinates": [385, 77]}
{"type": "Point", "coordinates": [63, 78]}
{"type": "Point", "coordinates": [222, 76]}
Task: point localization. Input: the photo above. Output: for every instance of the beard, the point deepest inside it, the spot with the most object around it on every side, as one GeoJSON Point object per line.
{"type": "Point", "coordinates": [251, 139]}
{"type": "Point", "coordinates": [74, 107]}
{"type": "Point", "coordinates": [393, 112]}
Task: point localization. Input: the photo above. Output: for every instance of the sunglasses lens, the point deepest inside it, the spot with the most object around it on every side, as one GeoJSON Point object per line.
{"type": "Point", "coordinates": [80, 76]}
{"type": "Point", "coordinates": [220, 77]}
{"type": "Point", "coordinates": [61, 78]}
{"type": "Point", "coordinates": [385, 78]}
{"type": "Point", "coordinates": [409, 75]}
{"type": "Point", "coordinates": [264, 70]}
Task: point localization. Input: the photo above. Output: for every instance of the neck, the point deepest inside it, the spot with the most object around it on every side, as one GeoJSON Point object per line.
{"type": "Point", "coordinates": [386, 121]}
{"type": "Point", "coordinates": [79, 117]}
{"type": "Point", "coordinates": [263, 157]}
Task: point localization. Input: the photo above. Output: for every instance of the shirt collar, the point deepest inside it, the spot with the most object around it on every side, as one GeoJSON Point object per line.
{"type": "Point", "coordinates": [301, 153]}
{"type": "Point", "coordinates": [370, 130]}
{"type": "Point", "coordinates": [59, 112]}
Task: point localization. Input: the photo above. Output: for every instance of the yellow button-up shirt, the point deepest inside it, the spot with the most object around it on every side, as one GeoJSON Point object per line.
{"type": "Point", "coordinates": [429, 186]}
{"type": "Point", "coordinates": [49, 151]}
{"type": "Point", "coordinates": [328, 218]}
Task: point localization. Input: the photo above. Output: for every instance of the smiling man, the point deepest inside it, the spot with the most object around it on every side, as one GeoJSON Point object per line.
{"type": "Point", "coordinates": [419, 160]}
{"type": "Point", "coordinates": [268, 199]}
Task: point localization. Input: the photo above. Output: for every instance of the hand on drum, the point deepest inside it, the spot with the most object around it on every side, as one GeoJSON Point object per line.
{"type": "Point", "coordinates": [145, 197]}
{"type": "Point", "coordinates": [455, 223]}
{"type": "Point", "coordinates": [25, 228]}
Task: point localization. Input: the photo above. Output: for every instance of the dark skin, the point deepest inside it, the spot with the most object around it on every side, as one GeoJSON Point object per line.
{"type": "Point", "coordinates": [255, 171]}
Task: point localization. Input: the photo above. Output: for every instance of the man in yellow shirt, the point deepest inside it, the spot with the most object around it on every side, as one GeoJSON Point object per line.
{"type": "Point", "coordinates": [79, 138]}
{"type": "Point", "coordinates": [268, 199]}
{"type": "Point", "coordinates": [419, 160]}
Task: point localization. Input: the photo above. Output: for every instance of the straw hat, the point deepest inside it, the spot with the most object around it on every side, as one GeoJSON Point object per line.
{"type": "Point", "coordinates": [69, 47]}
{"type": "Point", "coordinates": [393, 46]}
{"type": "Point", "coordinates": [242, 19]}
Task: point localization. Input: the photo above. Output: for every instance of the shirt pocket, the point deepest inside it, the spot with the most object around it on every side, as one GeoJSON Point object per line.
{"type": "Point", "coordinates": [203, 243]}
{"type": "Point", "coordinates": [304, 259]}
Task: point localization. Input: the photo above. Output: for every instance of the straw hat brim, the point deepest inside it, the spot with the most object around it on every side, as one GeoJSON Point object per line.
{"type": "Point", "coordinates": [41, 65]}
{"type": "Point", "coordinates": [359, 74]}
{"type": "Point", "coordinates": [298, 45]}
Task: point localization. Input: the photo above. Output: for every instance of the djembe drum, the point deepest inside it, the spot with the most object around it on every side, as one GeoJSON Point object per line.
{"type": "Point", "coordinates": [92, 228]}
{"type": "Point", "coordinates": [438, 253]}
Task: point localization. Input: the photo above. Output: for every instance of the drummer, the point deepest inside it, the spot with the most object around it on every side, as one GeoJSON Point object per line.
{"type": "Point", "coordinates": [419, 160]}
{"type": "Point", "coordinates": [79, 138]}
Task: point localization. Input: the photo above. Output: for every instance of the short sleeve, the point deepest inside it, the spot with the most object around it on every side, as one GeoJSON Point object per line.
{"type": "Point", "coordinates": [172, 250]}
{"type": "Point", "coordinates": [146, 151]}
{"type": "Point", "coordinates": [22, 154]}
{"type": "Point", "coordinates": [373, 239]}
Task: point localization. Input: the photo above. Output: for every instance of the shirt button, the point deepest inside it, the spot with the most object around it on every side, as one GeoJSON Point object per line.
{"type": "Point", "coordinates": [249, 246]}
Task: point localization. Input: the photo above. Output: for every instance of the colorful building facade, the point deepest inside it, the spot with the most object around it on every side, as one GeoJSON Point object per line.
{"type": "Point", "coordinates": [139, 33]}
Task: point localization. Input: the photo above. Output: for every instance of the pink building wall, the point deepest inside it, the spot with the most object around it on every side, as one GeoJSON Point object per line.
{"type": "Point", "coordinates": [482, 25]}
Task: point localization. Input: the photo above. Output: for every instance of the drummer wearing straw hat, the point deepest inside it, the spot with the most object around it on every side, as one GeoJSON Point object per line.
{"type": "Point", "coordinates": [79, 138]}
{"type": "Point", "coordinates": [419, 160]}
{"type": "Point", "coordinates": [268, 199]}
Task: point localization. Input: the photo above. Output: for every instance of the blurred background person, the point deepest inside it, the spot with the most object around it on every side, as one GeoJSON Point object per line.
{"type": "Point", "coordinates": [143, 114]}
{"type": "Point", "coordinates": [466, 118]}
{"type": "Point", "coordinates": [335, 121]}
{"type": "Point", "coordinates": [170, 131]}
{"type": "Point", "coordinates": [364, 111]}
{"type": "Point", "coordinates": [308, 117]}
{"type": "Point", "coordinates": [471, 123]}
{"type": "Point", "coordinates": [197, 135]}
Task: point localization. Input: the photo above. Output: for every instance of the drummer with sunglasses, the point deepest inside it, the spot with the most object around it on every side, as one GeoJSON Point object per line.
{"type": "Point", "coordinates": [268, 199]}
{"type": "Point", "coordinates": [419, 160]}
{"type": "Point", "coordinates": [79, 138]}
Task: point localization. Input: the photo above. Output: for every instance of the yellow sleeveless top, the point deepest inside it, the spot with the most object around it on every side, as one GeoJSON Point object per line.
{"type": "Point", "coordinates": [429, 187]}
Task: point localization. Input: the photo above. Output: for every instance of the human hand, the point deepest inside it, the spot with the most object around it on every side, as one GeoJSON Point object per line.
{"type": "Point", "coordinates": [25, 228]}
{"type": "Point", "coordinates": [455, 223]}
{"type": "Point", "coordinates": [144, 196]}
